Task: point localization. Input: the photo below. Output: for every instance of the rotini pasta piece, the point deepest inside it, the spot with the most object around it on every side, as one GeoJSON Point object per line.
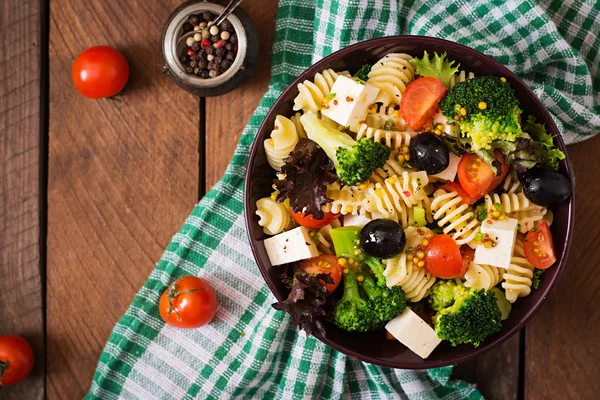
{"type": "Point", "coordinates": [392, 167]}
{"type": "Point", "coordinates": [481, 276]}
{"type": "Point", "coordinates": [440, 122]}
{"type": "Point", "coordinates": [282, 142]}
{"type": "Point", "coordinates": [385, 114]}
{"type": "Point", "coordinates": [323, 239]}
{"type": "Point", "coordinates": [528, 219]}
{"type": "Point", "coordinates": [517, 278]}
{"type": "Point", "coordinates": [511, 184]}
{"type": "Point", "coordinates": [273, 217]}
{"type": "Point", "coordinates": [311, 94]}
{"type": "Point", "coordinates": [394, 198]}
{"type": "Point", "coordinates": [299, 127]}
{"type": "Point", "coordinates": [456, 219]}
{"type": "Point", "coordinates": [392, 139]}
{"type": "Point", "coordinates": [462, 76]}
{"type": "Point", "coordinates": [391, 74]}
{"type": "Point", "coordinates": [510, 202]}
{"type": "Point", "coordinates": [347, 200]}
{"type": "Point", "coordinates": [416, 282]}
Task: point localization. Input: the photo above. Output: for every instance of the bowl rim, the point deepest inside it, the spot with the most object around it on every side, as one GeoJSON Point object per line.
{"type": "Point", "coordinates": [548, 120]}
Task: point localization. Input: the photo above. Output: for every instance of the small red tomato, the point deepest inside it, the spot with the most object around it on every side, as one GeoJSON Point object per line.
{"type": "Point", "coordinates": [420, 101]}
{"type": "Point", "coordinates": [443, 258]}
{"type": "Point", "coordinates": [189, 302]}
{"type": "Point", "coordinates": [324, 264]}
{"type": "Point", "coordinates": [100, 72]}
{"type": "Point", "coordinates": [205, 43]}
{"type": "Point", "coordinates": [16, 359]}
{"type": "Point", "coordinates": [308, 221]}
{"type": "Point", "coordinates": [539, 247]}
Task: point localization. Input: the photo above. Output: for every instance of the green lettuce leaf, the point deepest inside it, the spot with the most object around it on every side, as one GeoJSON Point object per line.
{"type": "Point", "coordinates": [547, 153]}
{"type": "Point", "coordinates": [436, 67]}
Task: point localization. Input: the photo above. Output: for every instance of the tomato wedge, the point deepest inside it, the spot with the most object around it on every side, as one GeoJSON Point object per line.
{"type": "Point", "coordinates": [324, 264]}
{"type": "Point", "coordinates": [539, 247]}
{"type": "Point", "coordinates": [455, 187]}
{"type": "Point", "coordinates": [308, 221]}
{"type": "Point", "coordinates": [420, 100]}
{"type": "Point", "coordinates": [443, 258]}
{"type": "Point", "coordinates": [477, 177]}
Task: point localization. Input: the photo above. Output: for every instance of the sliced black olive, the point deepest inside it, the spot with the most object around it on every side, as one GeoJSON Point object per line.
{"type": "Point", "coordinates": [545, 187]}
{"type": "Point", "coordinates": [429, 153]}
{"type": "Point", "coordinates": [382, 238]}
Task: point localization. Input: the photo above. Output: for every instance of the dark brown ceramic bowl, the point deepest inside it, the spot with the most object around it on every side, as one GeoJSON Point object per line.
{"type": "Point", "coordinates": [372, 347]}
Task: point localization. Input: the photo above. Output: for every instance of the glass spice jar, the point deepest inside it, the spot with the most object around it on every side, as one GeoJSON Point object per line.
{"type": "Point", "coordinates": [177, 48]}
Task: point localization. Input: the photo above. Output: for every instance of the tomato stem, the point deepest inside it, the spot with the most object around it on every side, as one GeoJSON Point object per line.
{"type": "Point", "coordinates": [3, 368]}
{"type": "Point", "coordinates": [172, 294]}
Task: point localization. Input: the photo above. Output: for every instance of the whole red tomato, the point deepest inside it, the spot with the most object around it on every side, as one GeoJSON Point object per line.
{"type": "Point", "coordinates": [189, 302]}
{"type": "Point", "coordinates": [99, 72]}
{"type": "Point", "coordinates": [16, 359]}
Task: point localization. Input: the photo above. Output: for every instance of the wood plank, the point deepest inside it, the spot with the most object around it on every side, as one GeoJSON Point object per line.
{"type": "Point", "coordinates": [21, 293]}
{"type": "Point", "coordinates": [123, 176]}
{"type": "Point", "coordinates": [496, 373]}
{"type": "Point", "coordinates": [227, 115]}
{"type": "Point", "coordinates": [562, 348]}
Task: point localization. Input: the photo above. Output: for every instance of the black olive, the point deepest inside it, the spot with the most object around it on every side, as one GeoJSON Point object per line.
{"type": "Point", "coordinates": [429, 153]}
{"type": "Point", "coordinates": [545, 187]}
{"type": "Point", "coordinates": [382, 238]}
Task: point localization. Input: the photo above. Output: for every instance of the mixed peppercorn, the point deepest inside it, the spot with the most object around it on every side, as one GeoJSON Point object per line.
{"type": "Point", "coordinates": [211, 50]}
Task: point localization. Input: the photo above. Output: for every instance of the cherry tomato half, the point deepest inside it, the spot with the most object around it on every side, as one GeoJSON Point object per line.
{"type": "Point", "coordinates": [539, 247]}
{"type": "Point", "coordinates": [99, 72]}
{"type": "Point", "coordinates": [467, 254]}
{"type": "Point", "coordinates": [308, 221]}
{"type": "Point", "coordinates": [189, 302]}
{"type": "Point", "coordinates": [16, 359]}
{"type": "Point", "coordinates": [477, 177]}
{"type": "Point", "coordinates": [420, 101]}
{"type": "Point", "coordinates": [324, 264]}
{"type": "Point", "coordinates": [455, 187]}
{"type": "Point", "coordinates": [443, 258]}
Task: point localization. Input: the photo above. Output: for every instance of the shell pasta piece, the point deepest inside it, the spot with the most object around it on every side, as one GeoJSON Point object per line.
{"type": "Point", "coordinates": [415, 281]}
{"type": "Point", "coordinates": [510, 202]}
{"type": "Point", "coordinates": [456, 219]}
{"type": "Point", "coordinates": [273, 217]}
{"type": "Point", "coordinates": [311, 94]}
{"type": "Point", "coordinates": [283, 140]}
{"type": "Point", "coordinates": [392, 139]}
{"type": "Point", "coordinates": [518, 276]}
{"type": "Point", "coordinates": [391, 75]}
{"type": "Point", "coordinates": [481, 276]}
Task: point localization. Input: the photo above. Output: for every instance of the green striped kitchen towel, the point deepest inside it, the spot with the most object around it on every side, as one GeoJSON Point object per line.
{"type": "Point", "coordinates": [250, 350]}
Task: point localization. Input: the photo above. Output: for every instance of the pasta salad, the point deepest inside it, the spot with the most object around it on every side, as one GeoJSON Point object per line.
{"type": "Point", "coordinates": [412, 196]}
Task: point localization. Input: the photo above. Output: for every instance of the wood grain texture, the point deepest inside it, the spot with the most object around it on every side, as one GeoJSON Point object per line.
{"type": "Point", "coordinates": [227, 115]}
{"type": "Point", "coordinates": [21, 304]}
{"type": "Point", "coordinates": [123, 176]}
{"type": "Point", "coordinates": [562, 349]}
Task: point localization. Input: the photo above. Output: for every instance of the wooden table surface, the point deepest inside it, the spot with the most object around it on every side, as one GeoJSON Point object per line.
{"type": "Point", "coordinates": [92, 191]}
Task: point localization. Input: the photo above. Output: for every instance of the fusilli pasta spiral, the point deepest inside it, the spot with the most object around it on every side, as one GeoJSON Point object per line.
{"type": "Point", "coordinates": [323, 238]}
{"type": "Point", "coordinates": [517, 278]}
{"type": "Point", "coordinates": [391, 74]}
{"type": "Point", "coordinates": [481, 276]}
{"type": "Point", "coordinates": [347, 200]}
{"type": "Point", "coordinates": [528, 219]}
{"type": "Point", "coordinates": [510, 202]}
{"type": "Point", "coordinates": [392, 167]}
{"type": "Point", "coordinates": [455, 218]}
{"type": "Point", "coordinates": [311, 94]}
{"type": "Point", "coordinates": [385, 114]}
{"type": "Point", "coordinates": [273, 217]}
{"type": "Point", "coordinates": [299, 127]}
{"type": "Point", "coordinates": [392, 139]}
{"type": "Point", "coordinates": [511, 184]}
{"type": "Point", "coordinates": [460, 77]}
{"type": "Point", "coordinates": [282, 142]}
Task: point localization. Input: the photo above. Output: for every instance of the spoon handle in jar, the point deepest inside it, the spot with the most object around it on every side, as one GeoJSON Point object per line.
{"type": "Point", "coordinates": [228, 10]}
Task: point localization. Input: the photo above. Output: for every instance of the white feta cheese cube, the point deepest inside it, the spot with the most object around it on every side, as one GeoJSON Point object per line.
{"type": "Point", "coordinates": [449, 173]}
{"type": "Point", "coordinates": [356, 220]}
{"type": "Point", "coordinates": [290, 246]}
{"type": "Point", "coordinates": [504, 234]}
{"type": "Point", "coordinates": [349, 101]}
{"type": "Point", "coordinates": [410, 330]}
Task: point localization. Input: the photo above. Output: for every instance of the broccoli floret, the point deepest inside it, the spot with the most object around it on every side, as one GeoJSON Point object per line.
{"type": "Point", "coordinates": [354, 161]}
{"type": "Point", "coordinates": [376, 267]}
{"type": "Point", "coordinates": [366, 306]}
{"type": "Point", "coordinates": [471, 316]}
{"type": "Point", "coordinates": [486, 109]}
{"type": "Point", "coordinates": [442, 294]}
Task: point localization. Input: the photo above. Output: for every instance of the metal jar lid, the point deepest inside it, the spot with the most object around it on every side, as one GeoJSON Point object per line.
{"type": "Point", "coordinates": [242, 66]}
